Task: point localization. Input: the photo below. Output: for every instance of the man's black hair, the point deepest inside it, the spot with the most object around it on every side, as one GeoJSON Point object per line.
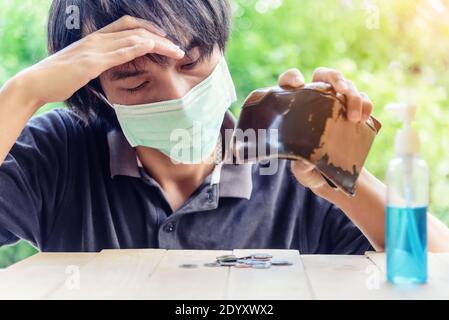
{"type": "Point", "coordinates": [203, 23]}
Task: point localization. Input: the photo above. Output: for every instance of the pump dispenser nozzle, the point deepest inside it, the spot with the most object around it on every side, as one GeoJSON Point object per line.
{"type": "Point", "coordinates": [407, 138]}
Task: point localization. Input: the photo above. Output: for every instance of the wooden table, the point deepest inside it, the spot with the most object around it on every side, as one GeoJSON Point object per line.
{"type": "Point", "coordinates": [156, 274]}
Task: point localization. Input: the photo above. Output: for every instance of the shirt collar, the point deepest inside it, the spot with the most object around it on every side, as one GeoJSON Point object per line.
{"type": "Point", "coordinates": [235, 179]}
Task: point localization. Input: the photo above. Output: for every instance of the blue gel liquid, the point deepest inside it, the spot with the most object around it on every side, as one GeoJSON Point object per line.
{"type": "Point", "coordinates": [406, 245]}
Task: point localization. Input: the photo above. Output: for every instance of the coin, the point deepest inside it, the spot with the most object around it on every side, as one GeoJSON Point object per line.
{"type": "Point", "coordinates": [227, 258]}
{"type": "Point", "coordinates": [245, 258]}
{"type": "Point", "coordinates": [278, 262]}
{"type": "Point", "coordinates": [262, 256]}
{"type": "Point", "coordinates": [255, 262]}
{"type": "Point", "coordinates": [188, 266]}
{"type": "Point", "coordinates": [227, 264]}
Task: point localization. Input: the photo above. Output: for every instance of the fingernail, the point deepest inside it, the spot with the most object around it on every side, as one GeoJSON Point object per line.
{"type": "Point", "coordinates": [180, 53]}
{"type": "Point", "coordinates": [176, 48]}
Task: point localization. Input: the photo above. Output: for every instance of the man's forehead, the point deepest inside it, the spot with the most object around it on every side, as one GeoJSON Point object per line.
{"type": "Point", "coordinates": [140, 65]}
{"type": "Point", "coordinates": [135, 65]}
{"type": "Point", "coordinates": [133, 68]}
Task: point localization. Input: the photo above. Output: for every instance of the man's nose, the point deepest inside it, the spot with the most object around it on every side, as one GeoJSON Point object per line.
{"type": "Point", "coordinates": [175, 88]}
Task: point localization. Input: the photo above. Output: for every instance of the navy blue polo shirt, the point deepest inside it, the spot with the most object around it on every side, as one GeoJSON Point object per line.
{"type": "Point", "coordinates": [70, 187]}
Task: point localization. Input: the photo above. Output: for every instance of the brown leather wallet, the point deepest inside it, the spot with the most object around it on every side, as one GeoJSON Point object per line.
{"type": "Point", "coordinates": [311, 124]}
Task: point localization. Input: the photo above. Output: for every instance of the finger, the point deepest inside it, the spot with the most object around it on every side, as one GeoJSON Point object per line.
{"type": "Point", "coordinates": [331, 76]}
{"type": "Point", "coordinates": [137, 32]}
{"type": "Point", "coordinates": [345, 87]}
{"type": "Point", "coordinates": [165, 48]}
{"type": "Point", "coordinates": [354, 103]}
{"type": "Point", "coordinates": [292, 78]}
{"type": "Point", "coordinates": [309, 177]}
{"type": "Point", "coordinates": [304, 166]}
{"type": "Point", "coordinates": [168, 51]}
{"type": "Point", "coordinates": [128, 23]}
{"type": "Point", "coordinates": [368, 107]}
{"type": "Point", "coordinates": [124, 39]}
{"type": "Point", "coordinates": [127, 54]}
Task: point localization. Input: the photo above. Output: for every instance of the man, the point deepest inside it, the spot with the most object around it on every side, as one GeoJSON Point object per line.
{"type": "Point", "coordinates": [100, 175]}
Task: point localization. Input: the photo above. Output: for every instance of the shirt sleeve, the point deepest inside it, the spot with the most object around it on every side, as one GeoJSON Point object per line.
{"type": "Point", "coordinates": [30, 184]}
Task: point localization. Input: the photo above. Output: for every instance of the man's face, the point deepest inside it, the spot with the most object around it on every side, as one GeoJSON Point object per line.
{"type": "Point", "coordinates": [144, 81]}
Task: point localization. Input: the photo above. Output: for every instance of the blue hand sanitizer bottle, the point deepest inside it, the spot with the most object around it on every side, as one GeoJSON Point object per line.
{"type": "Point", "coordinates": [408, 198]}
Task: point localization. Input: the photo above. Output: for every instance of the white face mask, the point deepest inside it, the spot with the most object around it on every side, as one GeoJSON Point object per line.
{"type": "Point", "coordinates": [185, 129]}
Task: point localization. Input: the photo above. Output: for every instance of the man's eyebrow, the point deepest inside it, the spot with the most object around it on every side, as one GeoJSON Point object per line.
{"type": "Point", "coordinates": [124, 74]}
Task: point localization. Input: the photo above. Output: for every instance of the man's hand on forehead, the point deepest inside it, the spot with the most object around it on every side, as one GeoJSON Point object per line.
{"type": "Point", "coordinates": [133, 31]}
{"type": "Point", "coordinates": [117, 44]}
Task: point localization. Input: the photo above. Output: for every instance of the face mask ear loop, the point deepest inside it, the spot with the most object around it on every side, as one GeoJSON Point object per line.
{"type": "Point", "coordinates": [100, 96]}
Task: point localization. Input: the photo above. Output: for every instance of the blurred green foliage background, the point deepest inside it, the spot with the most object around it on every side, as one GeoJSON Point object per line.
{"type": "Point", "coordinates": [391, 49]}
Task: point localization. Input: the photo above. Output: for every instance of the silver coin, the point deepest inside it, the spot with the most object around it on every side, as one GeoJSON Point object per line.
{"type": "Point", "coordinates": [188, 266]}
{"type": "Point", "coordinates": [278, 262]}
{"type": "Point", "coordinates": [254, 262]}
{"type": "Point", "coordinates": [227, 261]}
{"type": "Point", "coordinates": [245, 258]}
{"type": "Point", "coordinates": [227, 264]}
{"type": "Point", "coordinates": [262, 256]}
{"type": "Point", "coordinates": [227, 258]}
